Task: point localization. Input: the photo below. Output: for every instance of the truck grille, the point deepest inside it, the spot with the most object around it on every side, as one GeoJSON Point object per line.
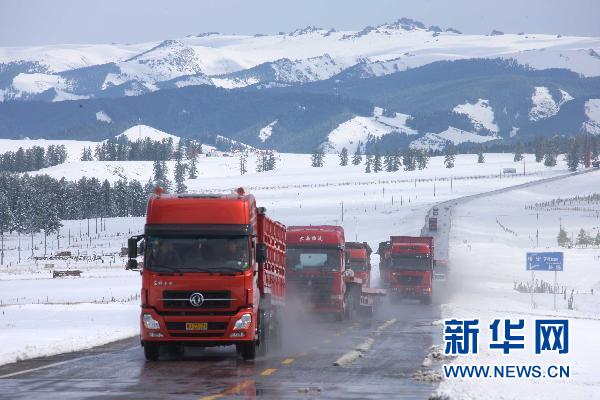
{"type": "Point", "coordinates": [181, 299]}
{"type": "Point", "coordinates": [410, 279]}
{"type": "Point", "coordinates": [316, 289]}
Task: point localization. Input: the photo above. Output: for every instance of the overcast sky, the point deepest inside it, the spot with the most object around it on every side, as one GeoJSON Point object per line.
{"type": "Point", "coordinates": [38, 22]}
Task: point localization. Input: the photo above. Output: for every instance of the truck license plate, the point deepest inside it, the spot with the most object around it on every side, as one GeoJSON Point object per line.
{"type": "Point", "coordinates": [196, 326]}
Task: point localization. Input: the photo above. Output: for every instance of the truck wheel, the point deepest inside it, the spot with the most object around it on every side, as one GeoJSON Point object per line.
{"type": "Point", "coordinates": [151, 351]}
{"type": "Point", "coordinates": [247, 350]}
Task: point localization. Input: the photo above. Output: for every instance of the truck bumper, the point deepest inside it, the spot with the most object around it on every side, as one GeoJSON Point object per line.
{"type": "Point", "coordinates": [416, 292]}
{"type": "Point", "coordinates": [197, 330]}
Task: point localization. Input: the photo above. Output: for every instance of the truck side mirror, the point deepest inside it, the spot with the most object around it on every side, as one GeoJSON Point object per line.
{"type": "Point", "coordinates": [132, 264]}
{"type": "Point", "coordinates": [132, 247]}
{"type": "Point", "coordinates": [261, 253]}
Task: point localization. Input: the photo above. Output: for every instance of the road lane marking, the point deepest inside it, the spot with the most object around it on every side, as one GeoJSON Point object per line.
{"type": "Point", "coordinates": [268, 371]}
{"type": "Point", "coordinates": [56, 364]}
{"type": "Point", "coordinates": [288, 361]}
{"type": "Point", "coordinates": [233, 390]}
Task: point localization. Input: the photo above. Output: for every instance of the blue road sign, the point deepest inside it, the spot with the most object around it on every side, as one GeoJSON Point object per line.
{"type": "Point", "coordinates": [548, 261]}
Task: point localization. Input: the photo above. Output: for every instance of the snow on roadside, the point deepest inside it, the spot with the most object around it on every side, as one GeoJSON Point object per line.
{"type": "Point", "coordinates": [486, 260]}
{"type": "Point", "coordinates": [36, 330]}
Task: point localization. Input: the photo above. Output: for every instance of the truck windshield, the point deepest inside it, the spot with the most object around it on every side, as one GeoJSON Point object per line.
{"type": "Point", "coordinates": [358, 265]}
{"type": "Point", "coordinates": [410, 262]}
{"type": "Point", "coordinates": [198, 254]}
{"type": "Point", "coordinates": [298, 259]}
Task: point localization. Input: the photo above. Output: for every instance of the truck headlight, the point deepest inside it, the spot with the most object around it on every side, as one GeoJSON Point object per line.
{"type": "Point", "coordinates": [149, 322]}
{"type": "Point", "coordinates": [244, 322]}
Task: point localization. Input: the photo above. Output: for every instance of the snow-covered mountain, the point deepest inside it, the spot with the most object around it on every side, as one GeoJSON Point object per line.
{"type": "Point", "coordinates": [68, 72]}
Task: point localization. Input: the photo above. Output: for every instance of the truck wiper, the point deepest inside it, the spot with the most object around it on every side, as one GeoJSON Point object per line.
{"type": "Point", "coordinates": [168, 269]}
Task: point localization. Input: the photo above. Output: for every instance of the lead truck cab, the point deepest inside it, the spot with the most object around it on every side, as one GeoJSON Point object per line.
{"type": "Point", "coordinates": [212, 273]}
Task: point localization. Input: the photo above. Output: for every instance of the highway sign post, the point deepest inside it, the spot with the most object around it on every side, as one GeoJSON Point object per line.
{"type": "Point", "coordinates": [545, 261]}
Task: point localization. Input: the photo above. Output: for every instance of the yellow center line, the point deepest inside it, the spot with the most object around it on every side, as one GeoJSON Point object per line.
{"type": "Point", "coordinates": [287, 361]}
{"type": "Point", "coordinates": [268, 371]}
{"type": "Point", "coordinates": [233, 390]}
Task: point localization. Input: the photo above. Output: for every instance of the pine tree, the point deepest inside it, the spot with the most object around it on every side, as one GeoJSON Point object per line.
{"type": "Point", "coordinates": [368, 163]}
{"type": "Point", "coordinates": [480, 156]}
{"type": "Point", "coordinates": [388, 162]}
{"type": "Point", "coordinates": [449, 157]}
{"type": "Point", "coordinates": [583, 238]}
{"type": "Point", "coordinates": [562, 238]}
{"type": "Point", "coordinates": [396, 160]}
{"type": "Point", "coordinates": [597, 239]}
{"type": "Point", "coordinates": [376, 164]}
{"type": "Point", "coordinates": [193, 168]}
{"type": "Point", "coordinates": [243, 162]}
{"type": "Point", "coordinates": [180, 169]}
{"type": "Point", "coordinates": [87, 154]}
{"type": "Point", "coordinates": [518, 152]}
{"type": "Point", "coordinates": [357, 158]}
{"type": "Point", "coordinates": [572, 156]}
{"type": "Point", "coordinates": [408, 159]}
{"type": "Point", "coordinates": [550, 159]}
{"type": "Point", "coordinates": [160, 175]}
{"type": "Point", "coordinates": [344, 157]}
{"type": "Point", "coordinates": [539, 148]}
{"type": "Point", "coordinates": [6, 222]}
{"type": "Point", "coordinates": [422, 159]}
{"type": "Point", "coordinates": [317, 158]}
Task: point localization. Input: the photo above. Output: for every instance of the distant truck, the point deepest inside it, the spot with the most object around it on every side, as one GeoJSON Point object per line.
{"type": "Point", "coordinates": [317, 273]}
{"type": "Point", "coordinates": [596, 164]}
{"type": "Point", "coordinates": [213, 274]}
{"type": "Point", "coordinates": [358, 259]}
{"type": "Point", "coordinates": [406, 267]}
{"type": "Point", "coordinates": [433, 223]}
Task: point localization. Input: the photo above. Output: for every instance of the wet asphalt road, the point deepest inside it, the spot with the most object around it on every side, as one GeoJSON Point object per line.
{"type": "Point", "coordinates": [302, 370]}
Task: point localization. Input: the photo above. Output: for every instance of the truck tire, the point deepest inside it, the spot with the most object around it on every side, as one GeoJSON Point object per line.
{"type": "Point", "coordinates": [151, 351]}
{"type": "Point", "coordinates": [247, 350]}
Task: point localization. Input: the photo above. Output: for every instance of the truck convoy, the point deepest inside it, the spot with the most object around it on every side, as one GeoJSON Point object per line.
{"type": "Point", "coordinates": [213, 273]}
{"type": "Point", "coordinates": [406, 267]}
{"type": "Point", "coordinates": [319, 276]}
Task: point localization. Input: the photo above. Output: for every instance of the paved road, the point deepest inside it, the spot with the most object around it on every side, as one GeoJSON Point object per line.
{"type": "Point", "coordinates": [402, 336]}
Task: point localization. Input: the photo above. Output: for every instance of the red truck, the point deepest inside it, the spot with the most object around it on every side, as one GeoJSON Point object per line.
{"type": "Point", "coordinates": [317, 272]}
{"type": "Point", "coordinates": [213, 273]}
{"type": "Point", "coordinates": [358, 259]}
{"type": "Point", "coordinates": [406, 266]}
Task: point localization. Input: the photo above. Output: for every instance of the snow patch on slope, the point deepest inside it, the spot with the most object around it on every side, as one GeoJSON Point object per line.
{"type": "Point", "coordinates": [544, 105]}
{"type": "Point", "coordinates": [266, 132]}
{"type": "Point", "coordinates": [438, 141]}
{"type": "Point", "coordinates": [359, 130]}
{"type": "Point", "coordinates": [142, 132]}
{"type": "Point", "coordinates": [592, 110]}
{"type": "Point", "coordinates": [103, 117]}
{"type": "Point", "coordinates": [481, 114]}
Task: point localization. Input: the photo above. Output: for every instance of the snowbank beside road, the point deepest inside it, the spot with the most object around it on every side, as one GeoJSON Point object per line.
{"type": "Point", "coordinates": [34, 330]}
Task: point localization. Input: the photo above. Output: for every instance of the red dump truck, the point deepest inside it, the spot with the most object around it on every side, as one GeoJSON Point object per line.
{"type": "Point", "coordinates": [358, 259]}
{"type": "Point", "coordinates": [406, 267]}
{"type": "Point", "coordinates": [318, 275]}
{"type": "Point", "coordinates": [212, 274]}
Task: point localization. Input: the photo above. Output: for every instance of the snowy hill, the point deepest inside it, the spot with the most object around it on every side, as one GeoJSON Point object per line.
{"type": "Point", "coordinates": [142, 132]}
{"type": "Point", "coordinates": [56, 73]}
